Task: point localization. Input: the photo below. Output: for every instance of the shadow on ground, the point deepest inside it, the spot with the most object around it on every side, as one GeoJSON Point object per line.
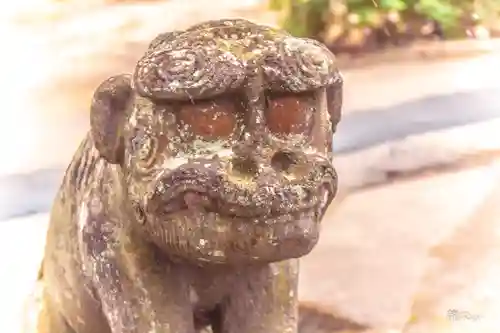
{"type": "Point", "coordinates": [363, 129]}
{"type": "Point", "coordinates": [26, 194]}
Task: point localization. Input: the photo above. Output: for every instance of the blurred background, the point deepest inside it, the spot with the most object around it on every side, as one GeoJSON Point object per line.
{"type": "Point", "coordinates": [412, 242]}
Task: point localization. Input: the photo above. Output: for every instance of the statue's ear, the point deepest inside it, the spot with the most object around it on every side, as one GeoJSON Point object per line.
{"type": "Point", "coordinates": [334, 96]}
{"type": "Point", "coordinates": [107, 116]}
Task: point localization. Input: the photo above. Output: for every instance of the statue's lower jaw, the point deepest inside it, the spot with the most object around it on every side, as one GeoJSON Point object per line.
{"type": "Point", "coordinates": [211, 238]}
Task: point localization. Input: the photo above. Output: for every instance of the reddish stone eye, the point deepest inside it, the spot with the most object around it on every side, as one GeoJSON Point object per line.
{"type": "Point", "coordinates": [209, 120]}
{"type": "Point", "coordinates": [288, 115]}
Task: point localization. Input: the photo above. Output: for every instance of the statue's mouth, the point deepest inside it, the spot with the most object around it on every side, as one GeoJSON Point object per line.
{"type": "Point", "coordinates": [222, 219]}
{"type": "Point", "coordinates": [193, 200]}
{"type": "Point", "coordinates": [211, 194]}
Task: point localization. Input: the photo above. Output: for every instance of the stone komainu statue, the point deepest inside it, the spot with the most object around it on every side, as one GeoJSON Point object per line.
{"type": "Point", "coordinates": [203, 178]}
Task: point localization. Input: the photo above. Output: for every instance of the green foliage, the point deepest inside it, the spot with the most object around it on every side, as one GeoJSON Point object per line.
{"type": "Point", "coordinates": [368, 10]}
{"type": "Point", "coordinates": [442, 11]}
{"type": "Point", "coordinates": [302, 18]}
{"type": "Point", "coordinates": [397, 5]}
{"type": "Point", "coordinates": [277, 5]}
{"type": "Point", "coordinates": [308, 17]}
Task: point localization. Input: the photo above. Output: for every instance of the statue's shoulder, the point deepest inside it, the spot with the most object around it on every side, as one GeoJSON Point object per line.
{"type": "Point", "coordinates": [86, 170]}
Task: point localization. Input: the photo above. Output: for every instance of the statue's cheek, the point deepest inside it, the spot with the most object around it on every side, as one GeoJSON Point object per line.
{"type": "Point", "coordinates": [150, 140]}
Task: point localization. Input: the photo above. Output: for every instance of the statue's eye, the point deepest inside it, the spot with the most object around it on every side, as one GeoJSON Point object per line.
{"type": "Point", "coordinates": [292, 114]}
{"type": "Point", "coordinates": [209, 120]}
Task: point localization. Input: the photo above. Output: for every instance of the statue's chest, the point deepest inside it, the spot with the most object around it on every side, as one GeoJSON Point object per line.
{"type": "Point", "coordinates": [209, 288]}
{"type": "Point", "coordinates": [210, 293]}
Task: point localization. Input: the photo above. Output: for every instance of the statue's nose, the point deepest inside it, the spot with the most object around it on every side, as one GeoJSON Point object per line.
{"type": "Point", "coordinates": [248, 157]}
{"type": "Point", "coordinates": [261, 167]}
{"type": "Point", "coordinates": [283, 161]}
{"type": "Point", "coordinates": [247, 166]}
{"type": "Point", "coordinates": [251, 156]}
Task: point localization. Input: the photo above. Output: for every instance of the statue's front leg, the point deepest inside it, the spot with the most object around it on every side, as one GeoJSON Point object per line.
{"type": "Point", "coordinates": [264, 301]}
{"type": "Point", "coordinates": [136, 293]}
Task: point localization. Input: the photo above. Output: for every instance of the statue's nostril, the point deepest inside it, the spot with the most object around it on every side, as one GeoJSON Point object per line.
{"type": "Point", "coordinates": [245, 166]}
{"type": "Point", "coordinates": [282, 161]}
